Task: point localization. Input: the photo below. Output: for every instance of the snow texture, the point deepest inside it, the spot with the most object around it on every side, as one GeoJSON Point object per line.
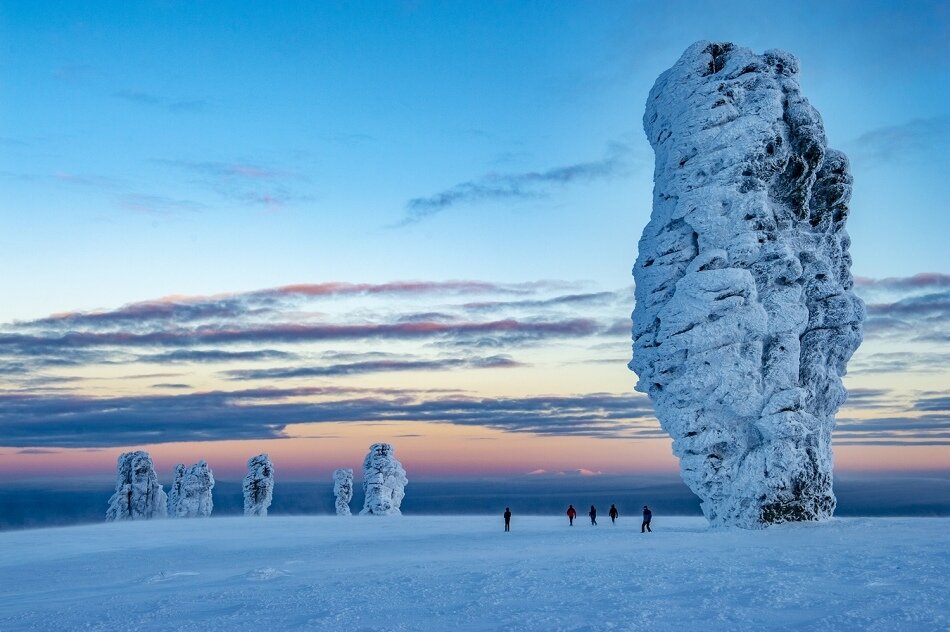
{"type": "Point", "coordinates": [384, 481]}
{"type": "Point", "coordinates": [343, 490]}
{"type": "Point", "coordinates": [190, 493]}
{"type": "Point", "coordinates": [745, 317]}
{"type": "Point", "coordinates": [258, 485]}
{"type": "Point", "coordinates": [464, 573]}
{"type": "Point", "coordinates": [138, 496]}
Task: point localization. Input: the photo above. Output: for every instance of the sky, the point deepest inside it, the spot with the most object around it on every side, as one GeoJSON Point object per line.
{"type": "Point", "coordinates": [301, 228]}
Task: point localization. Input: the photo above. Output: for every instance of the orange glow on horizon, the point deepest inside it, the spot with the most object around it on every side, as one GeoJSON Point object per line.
{"type": "Point", "coordinates": [429, 451]}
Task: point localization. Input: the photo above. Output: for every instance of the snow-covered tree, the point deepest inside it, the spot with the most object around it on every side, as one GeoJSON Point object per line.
{"type": "Point", "coordinates": [190, 494]}
{"type": "Point", "coordinates": [258, 485]}
{"type": "Point", "coordinates": [138, 496]}
{"type": "Point", "coordinates": [384, 481]}
{"type": "Point", "coordinates": [343, 488]}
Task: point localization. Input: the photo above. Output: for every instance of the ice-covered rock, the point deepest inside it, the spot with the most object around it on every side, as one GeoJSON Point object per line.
{"type": "Point", "coordinates": [343, 490]}
{"type": "Point", "coordinates": [384, 481]}
{"type": "Point", "coordinates": [190, 492]}
{"type": "Point", "coordinates": [138, 496]}
{"type": "Point", "coordinates": [745, 316]}
{"type": "Point", "coordinates": [258, 485]}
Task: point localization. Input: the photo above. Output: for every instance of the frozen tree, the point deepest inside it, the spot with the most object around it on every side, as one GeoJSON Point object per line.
{"type": "Point", "coordinates": [745, 315]}
{"type": "Point", "coordinates": [343, 489]}
{"type": "Point", "coordinates": [258, 485]}
{"type": "Point", "coordinates": [190, 493]}
{"type": "Point", "coordinates": [384, 481]}
{"type": "Point", "coordinates": [138, 496]}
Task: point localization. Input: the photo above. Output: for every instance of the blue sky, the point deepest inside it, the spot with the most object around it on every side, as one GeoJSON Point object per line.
{"type": "Point", "coordinates": [167, 147]}
{"type": "Point", "coordinates": [226, 150]}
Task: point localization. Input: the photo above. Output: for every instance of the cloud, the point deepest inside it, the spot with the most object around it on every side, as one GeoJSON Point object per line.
{"type": "Point", "coordinates": [373, 366]}
{"type": "Point", "coordinates": [511, 330]}
{"type": "Point", "coordinates": [921, 281]}
{"type": "Point", "coordinates": [566, 300]}
{"type": "Point", "coordinates": [44, 421]}
{"type": "Point", "coordinates": [209, 356]}
{"type": "Point", "coordinates": [918, 139]}
{"type": "Point", "coordinates": [28, 420]}
{"type": "Point", "coordinates": [930, 427]}
{"type": "Point", "coordinates": [188, 309]}
{"type": "Point", "coordinates": [920, 317]}
{"type": "Point", "coordinates": [142, 97]}
{"type": "Point", "coordinates": [899, 362]}
{"type": "Point", "coordinates": [495, 187]}
{"type": "Point", "coordinates": [158, 204]}
{"type": "Point", "coordinates": [237, 170]}
{"type": "Point", "coordinates": [248, 182]}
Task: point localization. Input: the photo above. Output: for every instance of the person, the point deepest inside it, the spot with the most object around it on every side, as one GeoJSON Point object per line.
{"type": "Point", "coordinates": [613, 513]}
{"type": "Point", "coordinates": [507, 518]}
{"type": "Point", "coordinates": [571, 514]}
{"type": "Point", "coordinates": [647, 516]}
{"type": "Point", "coordinates": [593, 515]}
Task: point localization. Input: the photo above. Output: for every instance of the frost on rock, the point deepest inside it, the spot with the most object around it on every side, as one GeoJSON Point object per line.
{"type": "Point", "coordinates": [138, 496]}
{"type": "Point", "coordinates": [258, 485]}
{"type": "Point", "coordinates": [343, 490]}
{"type": "Point", "coordinates": [190, 493]}
{"type": "Point", "coordinates": [745, 317]}
{"type": "Point", "coordinates": [384, 481]}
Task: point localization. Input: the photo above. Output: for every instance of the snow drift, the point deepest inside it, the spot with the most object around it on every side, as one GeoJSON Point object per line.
{"type": "Point", "coordinates": [384, 481]}
{"type": "Point", "coordinates": [745, 317]}
{"type": "Point", "coordinates": [138, 496]}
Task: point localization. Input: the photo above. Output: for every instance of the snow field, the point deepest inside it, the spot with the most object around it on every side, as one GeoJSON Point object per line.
{"type": "Point", "coordinates": [465, 573]}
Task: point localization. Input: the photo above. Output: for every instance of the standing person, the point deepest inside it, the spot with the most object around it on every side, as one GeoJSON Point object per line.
{"type": "Point", "coordinates": [647, 516]}
{"type": "Point", "coordinates": [593, 515]}
{"type": "Point", "coordinates": [507, 518]}
{"type": "Point", "coordinates": [613, 513]}
{"type": "Point", "coordinates": [571, 514]}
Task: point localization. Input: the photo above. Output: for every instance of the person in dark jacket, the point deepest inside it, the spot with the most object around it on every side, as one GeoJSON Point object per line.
{"type": "Point", "coordinates": [613, 513]}
{"type": "Point", "coordinates": [647, 516]}
{"type": "Point", "coordinates": [593, 515]}
{"type": "Point", "coordinates": [571, 514]}
{"type": "Point", "coordinates": [507, 518]}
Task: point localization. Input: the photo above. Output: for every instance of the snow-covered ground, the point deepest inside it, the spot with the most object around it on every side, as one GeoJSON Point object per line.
{"type": "Point", "coordinates": [465, 573]}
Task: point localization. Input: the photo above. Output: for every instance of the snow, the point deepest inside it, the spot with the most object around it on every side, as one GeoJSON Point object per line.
{"type": "Point", "coordinates": [384, 481]}
{"type": "Point", "coordinates": [745, 317]}
{"type": "Point", "coordinates": [343, 490]}
{"type": "Point", "coordinates": [465, 573]}
{"type": "Point", "coordinates": [190, 493]}
{"type": "Point", "coordinates": [258, 485]}
{"type": "Point", "coordinates": [138, 495]}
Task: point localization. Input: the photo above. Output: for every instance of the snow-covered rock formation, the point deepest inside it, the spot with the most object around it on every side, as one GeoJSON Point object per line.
{"type": "Point", "coordinates": [138, 496]}
{"type": "Point", "coordinates": [258, 485]}
{"type": "Point", "coordinates": [745, 316]}
{"type": "Point", "coordinates": [384, 481]}
{"type": "Point", "coordinates": [190, 492]}
{"type": "Point", "coordinates": [343, 490]}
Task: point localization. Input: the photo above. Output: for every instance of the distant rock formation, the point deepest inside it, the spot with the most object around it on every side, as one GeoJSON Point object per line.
{"type": "Point", "coordinates": [745, 317]}
{"type": "Point", "coordinates": [343, 490]}
{"type": "Point", "coordinates": [384, 481]}
{"type": "Point", "coordinates": [190, 492]}
{"type": "Point", "coordinates": [138, 496]}
{"type": "Point", "coordinates": [258, 485]}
